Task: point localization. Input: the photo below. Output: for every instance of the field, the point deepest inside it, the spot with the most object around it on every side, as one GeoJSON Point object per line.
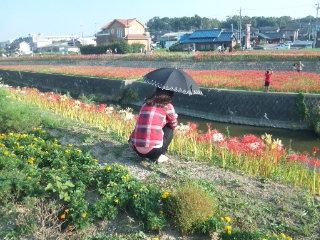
{"type": "Point", "coordinates": [305, 82]}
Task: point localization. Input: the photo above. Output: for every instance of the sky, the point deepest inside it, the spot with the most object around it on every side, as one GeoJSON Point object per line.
{"type": "Point", "coordinates": [19, 18]}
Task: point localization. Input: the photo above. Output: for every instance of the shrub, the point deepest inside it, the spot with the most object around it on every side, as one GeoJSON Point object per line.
{"type": "Point", "coordinates": [188, 205]}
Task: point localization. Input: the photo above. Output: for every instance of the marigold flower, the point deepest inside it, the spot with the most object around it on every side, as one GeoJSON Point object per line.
{"type": "Point", "coordinates": [66, 210]}
{"type": "Point", "coordinates": [289, 238]}
{"type": "Point", "coordinates": [62, 216]}
{"type": "Point", "coordinates": [227, 227]}
{"type": "Point", "coordinates": [67, 151]}
{"type": "Point", "coordinates": [165, 194]}
{"type": "Point", "coordinates": [155, 238]}
{"type": "Point", "coordinates": [78, 150]}
{"type": "Point", "coordinates": [282, 235]}
{"type": "Point", "coordinates": [116, 201]}
{"type": "Point", "coordinates": [135, 195]}
{"type": "Point", "coordinates": [227, 219]}
{"type": "Point", "coordinates": [108, 168]}
{"type": "Point", "coordinates": [83, 215]}
{"type": "Point", "coordinates": [31, 160]}
{"type": "Point", "coordinates": [5, 153]}
{"type": "Point", "coordinates": [70, 228]}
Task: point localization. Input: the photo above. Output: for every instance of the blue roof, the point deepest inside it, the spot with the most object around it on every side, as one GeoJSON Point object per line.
{"type": "Point", "coordinates": [225, 37]}
{"type": "Point", "coordinates": [184, 37]}
{"type": "Point", "coordinates": [207, 36]}
{"type": "Point", "coordinates": [205, 33]}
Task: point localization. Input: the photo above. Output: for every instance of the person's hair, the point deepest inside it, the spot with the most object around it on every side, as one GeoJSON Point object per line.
{"type": "Point", "coordinates": [159, 98]}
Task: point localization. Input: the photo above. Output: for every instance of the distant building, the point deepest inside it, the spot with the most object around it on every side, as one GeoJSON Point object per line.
{"type": "Point", "coordinates": [130, 30]}
{"type": "Point", "coordinates": [168, 39]}
{"type": "Point", "coordinates": [208, 40]}
{"type": "Point", "coordinates": [83, 41]}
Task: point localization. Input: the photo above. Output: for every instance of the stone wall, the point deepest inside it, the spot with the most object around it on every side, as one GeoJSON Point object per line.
{"type": "Point", "coordinates": [234, 106]}
{"type": "Point", "coordinates": [310, 66]}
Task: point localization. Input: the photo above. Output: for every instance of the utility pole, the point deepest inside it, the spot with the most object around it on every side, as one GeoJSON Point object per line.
{"type": "Point", "coordinates": [316, 31]}
{"type": "Point", "coordinates": [240, 37]}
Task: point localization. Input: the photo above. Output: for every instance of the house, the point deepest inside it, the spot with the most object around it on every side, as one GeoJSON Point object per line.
{"type": "Point", "coordinates": [130, 30]}
{"type": "Point", "coordinates": [82, 41]}
{"type": "Point", "coordinates": [168, 39]}
{"type": "Point", "coordinates": [208, 40]}
{"type": "Point", "coordinates": [291, 31]}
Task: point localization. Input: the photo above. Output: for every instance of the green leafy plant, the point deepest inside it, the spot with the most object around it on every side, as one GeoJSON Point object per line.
{"type": "Point", "coordinates": [189, 204]}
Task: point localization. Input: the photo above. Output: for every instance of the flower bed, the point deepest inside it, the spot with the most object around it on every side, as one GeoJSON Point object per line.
{"type": "Point", "coordinates": [263, 157]}
{"type": "Point", "coordinates": [229, 79]}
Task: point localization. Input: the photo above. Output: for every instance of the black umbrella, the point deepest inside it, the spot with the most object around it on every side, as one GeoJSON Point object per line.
{"type": "Point", "coordinates": [172, 79]}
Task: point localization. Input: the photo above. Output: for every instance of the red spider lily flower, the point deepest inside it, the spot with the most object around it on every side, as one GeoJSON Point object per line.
{"type": "Point", "coordinates": [315, 150]}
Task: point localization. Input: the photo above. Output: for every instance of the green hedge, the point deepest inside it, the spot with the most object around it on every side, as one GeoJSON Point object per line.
{"type": "Point", "coordinates": [121, 47]}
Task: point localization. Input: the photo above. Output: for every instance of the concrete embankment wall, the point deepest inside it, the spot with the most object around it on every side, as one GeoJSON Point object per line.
{"type": "Point", "coordinates": [309, 66]}
{"type": "Point", "coordinates": [234, 106]}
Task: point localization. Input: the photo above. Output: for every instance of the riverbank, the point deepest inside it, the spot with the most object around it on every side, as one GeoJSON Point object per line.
{"type": "Point", "coordinates": [271, 109]}
{"type": "Point", "coordinates": [252, 203]}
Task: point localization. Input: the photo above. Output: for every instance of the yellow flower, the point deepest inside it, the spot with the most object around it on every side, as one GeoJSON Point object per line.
{"type": "Point", "coordinates": [10, 134]}
{"type": "Point", "coordinates": [66, 210]}
{"type": "Point", "coordinates": [38, 182]}
{"type": "Point", "coordinates": [155, 238]}
{"type": "Point", "coordinates": [108, 168]}
{"type": "Point", "coordinates": [126, 176]}
{"type": "Point", "coordinates": [5, 153]}
{"type": "Point", "coordinates": [229, 232]}
{"type": "Point", "coordinates": [161, 212]}
{"type": "Point", "coordinates": [289, 238]}
{"type": "Point", "coordinates": [2, 145]}
{"type": "Point", "coordinates": [70, 145]}
{"type": "Point", "coordinates": [31, 160]}
{"type": "Point", "coordinates": [21, 147]}
{"type": "Point", "coordinates": [264, 239]}
{"type": "Point", "coordinates": [67, 151]}
{"type": "Point", "coordinates": [227, 227]}
{"type": "Point", "coordinates": [135, 195]}
{"type": "Point", "coordinates": [83, 215]}
{"type": "Point", "coordinates": [78, 150]}
{"type": "Point", "coordinates": [62, 216]}
{"type": "Point", "coordinates": [282, 235]}
{"type": "Point", "coordinates": [116, 201]}
{"type": "Point", "coordinates": [227, 219]}
{"type": "Point", "coordinates": [54, 140]}
{"type": "Point", "coordinates": [165, 194]}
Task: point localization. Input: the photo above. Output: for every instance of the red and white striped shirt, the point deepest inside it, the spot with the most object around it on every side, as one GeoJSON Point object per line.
{"type": "Point", "coordinates": [148, 131]}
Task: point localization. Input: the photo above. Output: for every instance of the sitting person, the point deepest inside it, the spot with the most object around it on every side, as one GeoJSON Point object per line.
{"type": "Point", "coordinates": [154, 128]}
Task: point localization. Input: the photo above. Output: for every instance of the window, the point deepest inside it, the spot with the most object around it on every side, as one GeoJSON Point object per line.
{"type": "Point", "coordinates": [119, 32]}
{"type": "Point", "coordinates": [112, 31]}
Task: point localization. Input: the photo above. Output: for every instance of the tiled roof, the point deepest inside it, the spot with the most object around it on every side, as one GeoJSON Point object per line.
{"type": "Point", "coordinates": [124, 22]}
{"type": "Point", "coordinates": [225, 37]}
{"type": "Point", "coordinates": [275, 35]}
{"type": "Point", "coordinates": [205, 34]}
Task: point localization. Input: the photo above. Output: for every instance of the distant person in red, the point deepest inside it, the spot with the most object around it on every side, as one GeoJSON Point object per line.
{"type": "Point", "coordinates": [267, 79]}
